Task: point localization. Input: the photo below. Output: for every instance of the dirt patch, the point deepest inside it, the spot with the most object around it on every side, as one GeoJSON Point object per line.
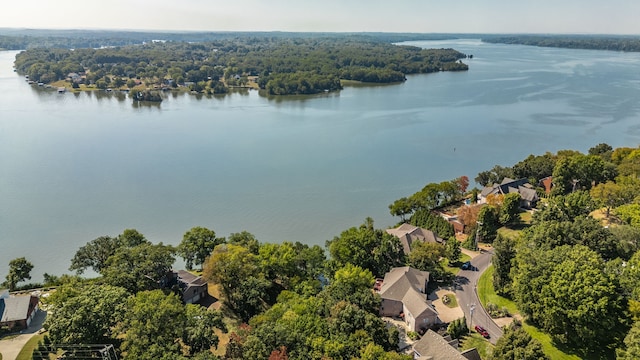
{"type": "Point", "coordinates": [506, 321]}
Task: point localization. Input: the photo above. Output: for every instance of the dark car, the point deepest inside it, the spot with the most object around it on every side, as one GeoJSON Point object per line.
{"type": "Point", "coordinates": [466, 266]}
{"type": "Point", "coordinates": [482, 331]}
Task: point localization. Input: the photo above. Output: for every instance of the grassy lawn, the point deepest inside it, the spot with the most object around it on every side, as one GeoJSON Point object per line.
{"type": "Point", "coordinates": [547, 344]}
{"type": "Point", "coordinates": [475, 340]}
{"type": "Point", "coordinates": [455, 266]}
{"type": "Point", "coordinates": [525, 217]}
{"type": "Point", "coordinates": [27, 350]}
{"type": "Point", "coordinates": [453, 302]}
{"type": "Point", "coordinates": [510, 233]}
{"type": "Point", "coordinates": [487, 294]}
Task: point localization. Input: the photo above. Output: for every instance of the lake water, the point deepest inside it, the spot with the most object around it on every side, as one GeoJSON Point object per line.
{"type": "Point", "coordinates": [77, 166]}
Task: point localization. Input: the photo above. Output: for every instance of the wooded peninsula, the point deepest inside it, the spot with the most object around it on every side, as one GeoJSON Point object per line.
{"type": "Point", "coordinates": [277, 65]}
{"type": "Point", "coordinates": [589, 42]}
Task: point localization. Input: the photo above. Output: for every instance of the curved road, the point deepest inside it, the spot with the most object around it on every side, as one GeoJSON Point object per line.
{"type": "Point", "coordinates": [465, 286]}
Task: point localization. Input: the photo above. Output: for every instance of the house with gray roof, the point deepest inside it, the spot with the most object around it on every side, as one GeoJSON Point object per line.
{"type": "Point", "coordinates": [16, 312]}
{"type": "Point", "coordinates": [435, 347]}
{"type": "Point", "coordinates": [192, 288]}
{"type": "Point", "coordinates": [408, 234]}
{"type": "Point", "coordinates": [528, 195]}
{"type": "Point", "coordinates": [403, 293]}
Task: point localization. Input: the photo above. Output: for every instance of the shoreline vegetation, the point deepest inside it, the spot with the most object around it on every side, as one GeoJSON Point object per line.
{"type": "Point", "coordinates": [277, 65]}
{"type": "Point", "coordinates": [626, 43]}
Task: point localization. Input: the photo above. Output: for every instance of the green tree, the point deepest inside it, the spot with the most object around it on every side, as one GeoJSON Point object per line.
{"type": "Point", "coordinates": [429, 220]}
{"type": "Point", "coordinates": [453, 250]}
{"type": "Point", "coordinates": [426, 256]}
{"type": "Point", "coordinates": [118, 82]}
{"type": "Point", "coordinates": [245, 290]}
{"type": "Point", "coordinates": [603, 150]}
{"type": "Point", "coordinates": [510, 209]}
{"type": "Point", "coordinates": [534, 167]}
{"type": "Point", "coordinates": [197, 244]}
{"type": "Point", "coordinates": [579, 171]}
{"type": "Point", "coordinates": [245, 239]}
{"type": "Point", "coordinates": [94, 254]}
{"type": "Point", "coordinates": [278, 262]}
{"type": "Point", "coordinates": [609, 194]}
{"type": "Point", "coordinates": [151, 326]}
{"type": "Point", "coordinates": [488, 223]}
{"type": "Point", "coordinates": [101, 84]}
{"type": "Point", "coordinates": [131, 238]}
{"type": "Point", "coordinates": [629, 214]}
{"type": "Point", "coordinates": [141, 267]}
{"type": "Point", "coordinates": [629, 276]}
{"type": "Point", "coordinates": [19, 270]}
{"type": "Point", "coordinates": [493, 176]}
{"type": "Point", "coordinates": [565, 291]}
{"type": "Point", "coordinates": [199, 329]}
{"type": "Point", "coordinates": [87, 316]}
{"type": "Point", "coordinates": [458, 328]}
{"type": "Point", "coordinates": [367, 247]}
{"type": "Point", "coordinates": [504, 249]}
{"type": "Point", "coordinates": [585, 231]}
{"type": "Point", "coordinates": [402, 207]}
{"type": "Point", "coordinates": [631, 349]}
{"type": "Point", "coordinates": [377, 352]}
{"type": "Point", "coordinates": [517, 344]}
{"type": "Point", "coordinates": [627, 239]}
{"type": "Point", "coordinates": [353, 284]}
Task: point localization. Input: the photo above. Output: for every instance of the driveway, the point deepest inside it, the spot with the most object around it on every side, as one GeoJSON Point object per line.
{"type": "Point", "coordinates": [466, 292]}
{"type": "Point", "coordinates": [11, 345]}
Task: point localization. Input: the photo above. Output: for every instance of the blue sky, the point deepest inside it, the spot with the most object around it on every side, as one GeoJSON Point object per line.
{"type": "Point", "coordinates": [488, 16]}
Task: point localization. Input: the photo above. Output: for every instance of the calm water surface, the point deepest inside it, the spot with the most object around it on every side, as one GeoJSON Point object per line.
{"type": "Point", "coordinates": [78, 166]}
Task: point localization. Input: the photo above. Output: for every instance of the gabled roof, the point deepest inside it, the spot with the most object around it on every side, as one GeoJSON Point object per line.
{"type": "Point", "coordinates": [528, 194]}
{"type": "Point", "coordinates": [407, 285]}
{"type": "Point", "coordinates": [507, 186]}
{"type": "Point", "coordinates": [189, 279]}
{"type": "Point", "coordinates": [14, 308]}
{"type": "Point", "coordinates": [435, 347]}
{"type": "Point", "coordinates": [408, 233]}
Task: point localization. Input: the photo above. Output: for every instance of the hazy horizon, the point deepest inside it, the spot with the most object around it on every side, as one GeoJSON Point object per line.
{"type": "Point", "coordinates": [616, 17]}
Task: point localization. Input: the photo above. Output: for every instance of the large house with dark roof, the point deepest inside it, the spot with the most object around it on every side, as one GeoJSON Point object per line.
{"type": "Point", "coordinates": [16, 312]}
{"type": "Point", "coordinates": [435, 347]}
{"type": "Point", "coordinates": [403, 293]}
{"type": "Point", "coordinates": [192, 288]}
{"type": "Point", "coordinates": [528, 195]}
{"type": "Point", "coordinates": [408, 234]}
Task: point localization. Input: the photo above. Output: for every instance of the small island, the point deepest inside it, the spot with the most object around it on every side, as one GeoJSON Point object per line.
{"type": "Point", "coordinates": [146, 95]}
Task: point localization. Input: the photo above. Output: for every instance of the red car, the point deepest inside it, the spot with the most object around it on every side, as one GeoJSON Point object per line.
{"type": "Point", "coordinates": [482, 331]}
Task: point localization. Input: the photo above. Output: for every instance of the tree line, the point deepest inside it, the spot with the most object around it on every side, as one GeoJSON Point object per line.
{"type": "Point", "coordinates": [20, 39]}
{"type": "Point", "coordinates": [592, 42]}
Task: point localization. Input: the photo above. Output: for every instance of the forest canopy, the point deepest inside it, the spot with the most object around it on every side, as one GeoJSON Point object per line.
{"type": "Point", "coordinates": [591, 42]}
{"type": "Point", "coordinates": [279, 65]}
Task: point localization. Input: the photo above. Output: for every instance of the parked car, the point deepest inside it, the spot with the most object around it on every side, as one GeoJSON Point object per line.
{"type": "Point", "coordinates": [480, 330]}
{"type": "Point", "coordinates": [466, 266]}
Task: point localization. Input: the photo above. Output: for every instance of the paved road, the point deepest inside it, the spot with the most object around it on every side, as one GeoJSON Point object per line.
{"type": "Point", "coordinates": [465, 285]}
{"type": "Point", "coordinates": [10, 346]}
